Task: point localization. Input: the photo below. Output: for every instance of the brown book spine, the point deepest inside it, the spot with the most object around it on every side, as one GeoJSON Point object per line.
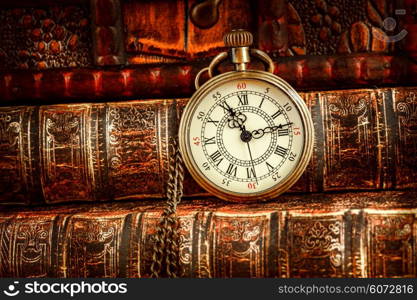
{"type": "Point", "coordinates": [365, 140]}
{"type": "Point", "coordinates": [120, 32]}
{"type": "Point", "coordinates": [337, 235]}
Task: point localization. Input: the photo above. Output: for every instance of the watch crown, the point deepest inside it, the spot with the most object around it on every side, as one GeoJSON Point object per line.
{"type": "Point", "coordinates": [238, 38]}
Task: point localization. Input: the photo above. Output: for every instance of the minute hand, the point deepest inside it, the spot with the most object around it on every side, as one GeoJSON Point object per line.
{"type": "Point", "coordinates": [258, 133]}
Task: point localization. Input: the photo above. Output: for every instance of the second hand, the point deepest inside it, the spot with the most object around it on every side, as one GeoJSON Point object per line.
{"type": "Point", "coordinates": [253, 166]}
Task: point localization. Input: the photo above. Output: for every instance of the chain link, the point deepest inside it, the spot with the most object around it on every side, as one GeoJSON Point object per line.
{"type": "Point", "coordinates": [166, 247]}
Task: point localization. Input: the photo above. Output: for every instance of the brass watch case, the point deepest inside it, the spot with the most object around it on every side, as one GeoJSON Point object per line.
{"type": "Point", "coordinates": [218, 191]}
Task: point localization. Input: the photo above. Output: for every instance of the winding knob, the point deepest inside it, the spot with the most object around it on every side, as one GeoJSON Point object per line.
{"type": "Point", "coordinates": [238, 38]}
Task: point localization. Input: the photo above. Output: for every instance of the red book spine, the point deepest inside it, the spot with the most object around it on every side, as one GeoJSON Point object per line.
{"type": "Point", "coordinates": [177, 80]}
{"type": "Point", "coordinates": [337, 235]}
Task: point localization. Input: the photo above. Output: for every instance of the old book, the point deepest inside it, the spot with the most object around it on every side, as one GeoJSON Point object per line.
{"type": "Point", "coordinates": [177, 80]}
{"type": "Point", "coordinates": [365, 140]}
{"type": "Point", "coordinates": [355, 234]}
{"type": "Point", "coordinates": [296, 28]}
{"type": "Point", "coordinates": [39, 35]}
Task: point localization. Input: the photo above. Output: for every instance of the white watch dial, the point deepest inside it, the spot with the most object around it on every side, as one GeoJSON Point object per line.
{"type": "Point", "coordinates": [245, 136]}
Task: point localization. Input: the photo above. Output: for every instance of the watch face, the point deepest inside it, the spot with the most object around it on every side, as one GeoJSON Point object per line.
{"type": "Point", "coordinates": [245, 137]}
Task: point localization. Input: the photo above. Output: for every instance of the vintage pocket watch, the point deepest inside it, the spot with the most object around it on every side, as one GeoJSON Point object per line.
{"type": "Point", "coordinates": [245, 135]}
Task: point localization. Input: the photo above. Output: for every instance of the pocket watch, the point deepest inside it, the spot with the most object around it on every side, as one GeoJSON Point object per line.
{"type": "Point", "coordinates": [245, 135]}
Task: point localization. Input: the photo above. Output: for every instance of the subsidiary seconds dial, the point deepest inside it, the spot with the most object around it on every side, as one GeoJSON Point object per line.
{"type": "Point", "coordinates": [245, 138]}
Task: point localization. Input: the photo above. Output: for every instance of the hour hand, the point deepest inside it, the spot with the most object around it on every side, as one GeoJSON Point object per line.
{"type": "Point", "coordinates": [258, 133]}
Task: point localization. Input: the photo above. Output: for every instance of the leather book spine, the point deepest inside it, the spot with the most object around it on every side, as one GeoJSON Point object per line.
{"type": "Point", "coordinates": [177, 80]}
{"type": "Point", "coordinates": [84, 152]}
{"type": "Point", "coordinates": [365, 140]}
{"type": "Point", "coordinates": [337, 235]}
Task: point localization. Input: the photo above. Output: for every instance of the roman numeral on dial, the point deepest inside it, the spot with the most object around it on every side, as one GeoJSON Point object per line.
{"type": "Point", "coordinates": [232, 170]}
{"type": "Point", "coordinates": [243, 99]}
{"type": "Point", "coordinates": [250, 172]}
{"type": "Point", "coordinates": [283, 132]}
{"type": "Point", "coordinates": [216, 157]}
{"type": "Point", "coordinates": [276, 114]}
{"type": "Point", "coordinates": [281, 151]}
{"type": "Point", "coordinates": [225, 107]}
{"type": "Point", "coordinates": [269, 166]}
{"type": "Point", "coordinates": [209, 141]}
{"type": "Point", "coordinates": [262, 101]}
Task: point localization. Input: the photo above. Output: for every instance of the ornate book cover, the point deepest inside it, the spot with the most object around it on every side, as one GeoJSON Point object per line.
{"type": "Point", "coordinates": [92, 91]}
{"type": "Point", "coordinates": [106, 49]}
{"type": "Point", "coordinates": [367, 234]}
